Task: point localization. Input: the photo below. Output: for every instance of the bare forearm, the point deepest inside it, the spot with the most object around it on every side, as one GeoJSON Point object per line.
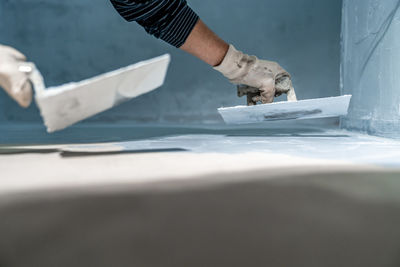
{"type": "Point", "coordinates": [205, 44]}
{"type": "Point", "coordinates": [176, 23]}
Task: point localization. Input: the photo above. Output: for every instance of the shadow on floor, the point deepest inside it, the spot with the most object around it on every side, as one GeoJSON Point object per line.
{"type": "Point", "coordinates": [16, 151]}
{"type": "Point", "coordinates": [69, 154]}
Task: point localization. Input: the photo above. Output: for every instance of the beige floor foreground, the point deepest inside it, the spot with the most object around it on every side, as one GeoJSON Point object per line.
{"type": "Point", "coordinates": [328, 198]}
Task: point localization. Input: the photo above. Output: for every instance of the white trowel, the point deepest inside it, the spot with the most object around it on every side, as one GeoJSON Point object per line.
{"type": "Point", "coordinates": [64, 105]}
{"type": "Point", "coordinates": [287, 110]}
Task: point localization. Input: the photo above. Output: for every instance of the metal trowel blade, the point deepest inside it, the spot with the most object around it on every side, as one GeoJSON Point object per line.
{"type": "Point", "coordinates": [298, 110]}
{"type": "Point", "coordinates": [65, 105]}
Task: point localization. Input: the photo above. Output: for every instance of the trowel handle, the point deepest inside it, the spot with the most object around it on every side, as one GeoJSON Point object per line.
{"type": "Point", "coordinates": [251, 92]}
{"type": "Point", "coordinates": [291, 95]}
{"type": "Point", "coordinates": [35, 76]}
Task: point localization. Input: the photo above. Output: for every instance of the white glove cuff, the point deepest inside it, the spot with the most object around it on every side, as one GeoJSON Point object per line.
{"type": "Point", "coordinates": [234, 64]}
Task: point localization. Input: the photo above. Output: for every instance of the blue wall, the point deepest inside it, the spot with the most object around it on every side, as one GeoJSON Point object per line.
{"type": "Point", "coordinates": [76, 39]}
{"type": "Point", "coordinates": [371, 65]}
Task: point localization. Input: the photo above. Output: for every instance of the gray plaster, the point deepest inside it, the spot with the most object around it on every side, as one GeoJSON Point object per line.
{"type": "Point", "coordinates": [370, 65]}
{"type": "Point", "coordinates": [301, 141]}
{"type": "Point", "coordinates": [335, 145]}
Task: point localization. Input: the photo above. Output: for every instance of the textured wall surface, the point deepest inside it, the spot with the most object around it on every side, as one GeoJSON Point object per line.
{"type": "Point", "coordinates": [371, 65]}
{"type": "Point", "coordinates": [76, 39]}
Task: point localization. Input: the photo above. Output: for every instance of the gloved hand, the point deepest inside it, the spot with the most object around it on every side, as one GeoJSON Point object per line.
{"type": "Point", "coordinates": [15, 82]}
{"type": "Point", "coordinates": [260, 80]}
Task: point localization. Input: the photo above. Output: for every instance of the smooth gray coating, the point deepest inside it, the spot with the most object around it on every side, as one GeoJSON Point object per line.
{"type": "Point", "coordinates": [371, 64]}
{"type": "Point", "coordinates": [77, 39]}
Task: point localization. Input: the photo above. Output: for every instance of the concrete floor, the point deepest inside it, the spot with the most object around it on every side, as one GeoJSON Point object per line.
{"type": "Point", "coordinates": [286, 195]}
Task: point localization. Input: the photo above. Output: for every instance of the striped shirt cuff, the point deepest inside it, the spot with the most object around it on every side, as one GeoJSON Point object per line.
{"type": "Point", "coordinates": [180, 27]}
{"type": "Point", "coordinates": [169, 20]}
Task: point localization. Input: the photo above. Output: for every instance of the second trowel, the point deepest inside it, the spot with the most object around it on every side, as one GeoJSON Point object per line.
{"type": "Point", "coordinates": [287, 110]}
{"type": "Point", "coordinates": [65, 105]}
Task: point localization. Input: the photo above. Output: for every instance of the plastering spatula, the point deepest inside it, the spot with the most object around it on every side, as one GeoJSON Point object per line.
{"type": "Point", "coordinates": [64, 105]}
{"type": "Point", "coordinates": [296, 110]}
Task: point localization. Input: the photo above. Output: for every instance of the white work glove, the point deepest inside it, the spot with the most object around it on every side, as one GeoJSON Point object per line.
{"type": "Point", "coordinates": [260, 80]}
{"type": "Point", "coordinates": [15, 82]}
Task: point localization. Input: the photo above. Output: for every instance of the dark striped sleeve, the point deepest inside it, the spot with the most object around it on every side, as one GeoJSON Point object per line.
{"type": "Point", "coordinates": [169, 20]}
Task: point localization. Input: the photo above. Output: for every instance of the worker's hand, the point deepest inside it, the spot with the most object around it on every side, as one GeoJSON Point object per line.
{"type": "Point", "coordinates": [260, 80]}
{"type": "Point", "coordinates": [15, 82]}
